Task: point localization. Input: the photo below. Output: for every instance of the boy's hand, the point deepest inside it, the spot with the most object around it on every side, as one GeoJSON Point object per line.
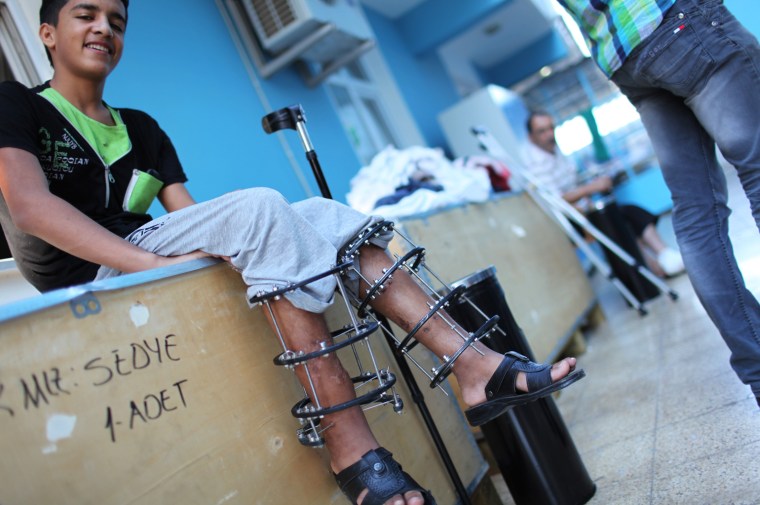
{"type": "Point", "coordinates": [163, 261]}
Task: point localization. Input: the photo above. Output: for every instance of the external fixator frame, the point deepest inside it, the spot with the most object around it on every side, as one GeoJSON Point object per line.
{"type": "Point", "coordinates": [374, 386]}
{"type": "Point", "coordinates": [412, 262]}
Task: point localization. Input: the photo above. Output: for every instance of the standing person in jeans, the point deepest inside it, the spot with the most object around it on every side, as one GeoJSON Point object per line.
{"type": "Point", "coordinates": [693, 73]}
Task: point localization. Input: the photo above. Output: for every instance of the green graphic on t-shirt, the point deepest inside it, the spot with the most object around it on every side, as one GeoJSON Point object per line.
{"type": "Point", "coordinates": [45, 143]}
{"type": "Point", "coordinates": [60, 157]}
{"type": "Point", "coordinates": [111, 142]}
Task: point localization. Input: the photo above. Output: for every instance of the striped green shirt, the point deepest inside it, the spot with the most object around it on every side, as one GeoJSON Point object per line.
{"type": "Point", "coordinates": [615, 27]}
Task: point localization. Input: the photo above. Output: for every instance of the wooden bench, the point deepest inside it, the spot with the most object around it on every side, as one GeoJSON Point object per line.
{"type": "Point", "coordinates": [159, 387]}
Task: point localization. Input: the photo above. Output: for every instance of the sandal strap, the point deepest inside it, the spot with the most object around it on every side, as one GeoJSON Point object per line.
{"type": "Point", "coordinates": [496, 383]}
{"type": "Point", "coordinates": [538, 375]}
{"type": "Point", "coordinates": [504, 379]}
{"type": "Point", "coordinates": [379, 474]}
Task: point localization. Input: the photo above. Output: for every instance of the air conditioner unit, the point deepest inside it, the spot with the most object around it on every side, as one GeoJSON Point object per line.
{"type": "Point", "coordinates": [280, 24]}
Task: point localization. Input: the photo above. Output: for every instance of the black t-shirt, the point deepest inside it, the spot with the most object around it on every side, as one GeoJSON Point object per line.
{"type": "Point", "coordinates": [77, 174]}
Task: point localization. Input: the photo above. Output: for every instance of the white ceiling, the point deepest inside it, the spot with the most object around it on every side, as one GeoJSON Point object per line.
{"type": "Point", "coordinates": [505, 32]}
{"type": "Point", "coordinates": [500, 36]}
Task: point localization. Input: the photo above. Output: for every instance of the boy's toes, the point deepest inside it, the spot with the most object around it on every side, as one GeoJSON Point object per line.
{"type": "Point", "coordinates": [562, 368]}
{"type": "Point", "coordinates": [409, 498]}
{"type": "Point", "coordinates": [559, 370]}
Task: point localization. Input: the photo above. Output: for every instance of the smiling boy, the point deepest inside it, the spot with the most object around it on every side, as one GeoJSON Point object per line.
{"type": "Point", "coordinates": [66, 174]}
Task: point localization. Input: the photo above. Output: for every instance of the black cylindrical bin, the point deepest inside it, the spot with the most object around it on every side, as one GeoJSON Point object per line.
{"type": "Point", "coordinates": [530, 443]}
{"type": "Point", "coordinates": [607, 218]}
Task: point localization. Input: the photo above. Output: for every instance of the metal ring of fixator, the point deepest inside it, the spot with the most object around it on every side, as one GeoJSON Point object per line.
{"type": "Point", "coordinates": [363, 331]}
{"type": "Point", "coordinates": [305, 410]}
{"type": "Point", "coordinates": [262, 297]}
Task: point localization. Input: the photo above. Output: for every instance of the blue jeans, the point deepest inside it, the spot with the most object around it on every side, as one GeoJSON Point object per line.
{"type": "Point", "coordinates": [696, 83]}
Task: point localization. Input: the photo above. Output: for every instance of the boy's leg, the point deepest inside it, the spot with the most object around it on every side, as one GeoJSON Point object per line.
{"type": "Point", "coordinates": [405, 303]}
{"type": "Point", "coordinates": [271, 242]}
{"type": "Point", "coordinates": [348, 435]}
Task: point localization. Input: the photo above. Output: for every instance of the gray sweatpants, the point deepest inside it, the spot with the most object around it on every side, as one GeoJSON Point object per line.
{"type": "Point", "coordinates": [271, 242]}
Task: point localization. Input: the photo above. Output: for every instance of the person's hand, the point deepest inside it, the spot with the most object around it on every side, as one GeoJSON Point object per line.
{"type": "Point", "coordinates": [163, 261]}
{"type": "Point", "coordinates": [602, 184]}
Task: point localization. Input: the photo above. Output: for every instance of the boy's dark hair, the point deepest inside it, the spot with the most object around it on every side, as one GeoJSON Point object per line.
{"type": "Point", "coordinates": [50, 9]}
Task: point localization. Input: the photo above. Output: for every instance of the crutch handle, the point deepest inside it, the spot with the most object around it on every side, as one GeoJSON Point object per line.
{"type": "Point", "coordinates": [285, 118]}
{"type": "Point", "coordinates": [293, 118]}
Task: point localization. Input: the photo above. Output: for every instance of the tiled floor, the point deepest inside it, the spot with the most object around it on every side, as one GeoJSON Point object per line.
{"type": "Point", "coordinates": [661, 417]}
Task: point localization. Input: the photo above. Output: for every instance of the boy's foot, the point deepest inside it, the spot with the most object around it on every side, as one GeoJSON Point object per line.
{"type": "Point", "coordinates": [517, 381]}
{"type": "Point", "coordinates": [376, 478]}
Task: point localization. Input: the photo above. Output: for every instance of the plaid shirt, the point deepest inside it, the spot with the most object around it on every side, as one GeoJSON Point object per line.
{"type": "Point", "coordinates": [615, 27]}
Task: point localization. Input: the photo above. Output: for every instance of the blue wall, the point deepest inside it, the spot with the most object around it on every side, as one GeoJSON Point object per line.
{"type": "Point", "coordinates": [181, 65]}
{"type": "Point", "coordinates": [746, 11]}
{"type": "Point", "coordinates": [422, 80]}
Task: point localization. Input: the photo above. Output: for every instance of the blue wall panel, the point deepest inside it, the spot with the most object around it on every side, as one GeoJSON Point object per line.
{"type": "Point", "coordinates": [422, 80]}
{"type": "Point", "coordinates": [748, 12]}
{"type": "Point", "coordinates": [181, 66]}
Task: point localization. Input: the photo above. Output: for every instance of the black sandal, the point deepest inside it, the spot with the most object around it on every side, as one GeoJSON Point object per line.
{"type": "Point", "coordinates": [381, 476]}
{"type": "Point", "coordinates": [502, 394]}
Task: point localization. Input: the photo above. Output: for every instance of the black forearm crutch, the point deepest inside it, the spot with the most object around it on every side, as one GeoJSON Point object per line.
{"type": "Point", "coordinates": [293, 118]}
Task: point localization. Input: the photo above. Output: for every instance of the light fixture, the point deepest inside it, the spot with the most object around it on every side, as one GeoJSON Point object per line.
{"type": "Point", "coordinates": [492, 29]}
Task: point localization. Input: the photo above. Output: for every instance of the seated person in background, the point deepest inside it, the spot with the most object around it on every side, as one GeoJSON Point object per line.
{"type": "Point", "coordinates": [557, 173]}
{"type": "Point", "coordinates": [66, 160]}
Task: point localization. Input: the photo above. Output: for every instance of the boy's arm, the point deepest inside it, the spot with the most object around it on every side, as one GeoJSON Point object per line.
{"type": "Point", "coordinates": [36, 211]}
{"type": "Point", "coordinates": [175, 196]}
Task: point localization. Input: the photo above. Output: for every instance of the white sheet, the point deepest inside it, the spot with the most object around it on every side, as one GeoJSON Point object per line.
{"type": "Point", "coordinates": [391, 168]}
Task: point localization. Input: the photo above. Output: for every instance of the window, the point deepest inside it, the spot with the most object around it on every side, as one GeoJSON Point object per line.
{"type": "Point", "coordinates": [573, 135]}
{"type": "Point", "coordinates": [360, 110]}
{"type": "Point", "coordinates": [611, 117]}
{"type": "Point", "coordinates": [615, 115]}
{"type": "Point", "coordinates": [21, 56]}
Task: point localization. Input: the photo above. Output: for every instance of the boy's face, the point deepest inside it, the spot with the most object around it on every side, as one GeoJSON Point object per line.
{"type": "Point", "coordinates": [89, 38]}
